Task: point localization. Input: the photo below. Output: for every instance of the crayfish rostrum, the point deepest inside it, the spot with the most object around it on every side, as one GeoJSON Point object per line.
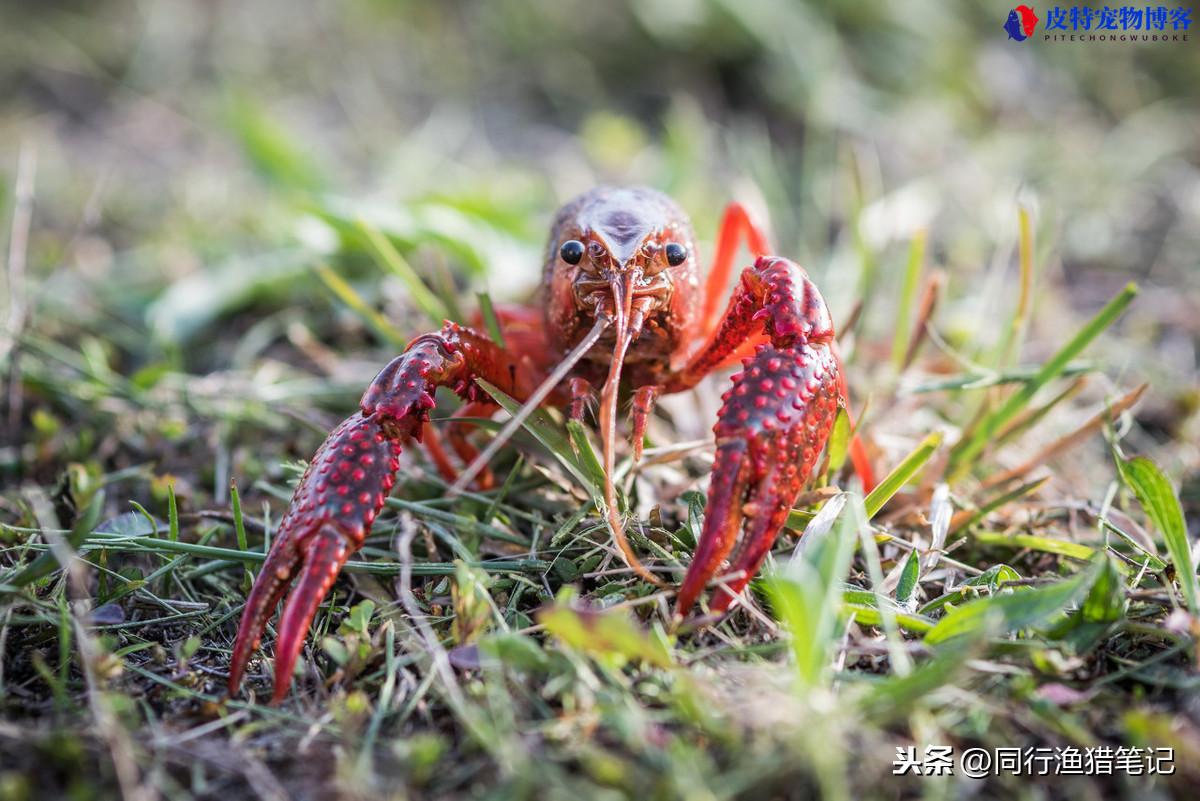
{"type": "Point", "coordinates": [622, 310]}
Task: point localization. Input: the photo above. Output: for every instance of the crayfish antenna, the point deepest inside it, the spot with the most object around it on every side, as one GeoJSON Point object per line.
{"type": "Point", "coordinates": [608, 430]}
{"type": "Point", "coordinates": [535, 400]}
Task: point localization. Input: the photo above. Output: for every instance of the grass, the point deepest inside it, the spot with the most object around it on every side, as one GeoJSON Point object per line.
{"type": "Point", "coordinates": [515, 646]}
{"type": "Point", "coordinates": [1022, 576]}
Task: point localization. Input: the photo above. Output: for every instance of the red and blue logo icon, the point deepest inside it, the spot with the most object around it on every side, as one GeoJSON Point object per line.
{"type": "Point", "coordinates": [1020, 23]}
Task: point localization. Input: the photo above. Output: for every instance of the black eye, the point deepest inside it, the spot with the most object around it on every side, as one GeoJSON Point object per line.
{"type": "Point", "coordinates": [676, 254]}
{"type": "Point", "coordinates": [571, 251]}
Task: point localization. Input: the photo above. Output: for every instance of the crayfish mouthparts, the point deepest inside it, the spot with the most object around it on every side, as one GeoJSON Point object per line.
{"type": "Point", "coordinates": [619, 261]}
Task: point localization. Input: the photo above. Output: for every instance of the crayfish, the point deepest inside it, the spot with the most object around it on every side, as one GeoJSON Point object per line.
{"type": "Point", "coordinates": [622, 309]}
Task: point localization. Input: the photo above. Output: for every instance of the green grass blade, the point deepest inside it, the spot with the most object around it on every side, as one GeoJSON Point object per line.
{"type": "Point", "coordinates": [1073, 550]}
{"type": "Point", "coordinates": [897, 655]}
{"type": "Point", "coordinates": [390, 259]}
{"type": "Point", "coordinates": [984, 379]}
{"type": "Point", "coordinates": [1003, 499]}
{"type": "Point", "coordinates": [908, 293]}
{"type": "Point", "coordinates": [909, 578]}
{"type": "Point", "coordinates": [866, 615]}
{"type": "Point", "coordinates": [239, 529]}
{"type": "Point", "coordinates": [153, 545]}
{"type": "Point", "coordinates": [1011, 345]}
{"type": "Point", "coordinates": [1021, 609]}
{"type": "Point", "coordinates": [1023, 422]}
{"type": "Point", "coordinates": [554, 438]}
{"type": "Point", "coordinates": [864, 606]}
{"type": "Point", "coordinates": [276, 155]}
{"type": "Point", "coordinates": [1157, 497]}
{"type": "Point", "coordinates": [172, 514]}
{"type": "Point", "coordinates": [966, 453]}
{"type": "Point", "coordinates": [461, 523]}
{"type": "Point", "coordinates": [806, 595]}
{"type": "Point", "coordinates": [584, 451]}
{"type": "Point", "coordinates": [839, 441]}
{"type": "Point", "coordinates": [902, 474]}
{"type": "Point", "coordinates": [371, 318]}
{"type": "Point", "coordinates": [488, 310]}
{"type": "Point", "coordinates": [1106, 601]}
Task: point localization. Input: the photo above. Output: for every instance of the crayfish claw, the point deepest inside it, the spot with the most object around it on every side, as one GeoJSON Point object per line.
{"type": "Point", "coordinates": [348, 480]}
{"type": "Point", "coordinates": [327, 552]}
{"type": "Point", "coordinates": [773, 424]}
{"type": "Point", "coordinates": [272, 582]}
{"type": "Point", "coordinates": [337, 499]}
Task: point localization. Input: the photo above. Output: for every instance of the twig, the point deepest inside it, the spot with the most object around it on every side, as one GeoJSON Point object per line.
{"type": "Point", "coordinates": [929, 299]}
{"type": "Point", "coordinates": [1069, 440]}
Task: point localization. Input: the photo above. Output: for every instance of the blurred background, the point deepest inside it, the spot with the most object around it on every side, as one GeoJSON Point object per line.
{"type": "Point", "coordinates": [192, 161]}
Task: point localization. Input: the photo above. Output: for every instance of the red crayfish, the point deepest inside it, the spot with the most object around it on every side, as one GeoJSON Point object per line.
{"type": "Point", "coordinates": [622, 309]}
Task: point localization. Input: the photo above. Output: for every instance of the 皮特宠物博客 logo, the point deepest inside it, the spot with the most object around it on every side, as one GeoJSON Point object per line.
{"type": "Point", "coordinates": [1081, 23]}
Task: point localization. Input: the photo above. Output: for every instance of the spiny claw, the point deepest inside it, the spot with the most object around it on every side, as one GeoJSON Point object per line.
{"type": "Point", "coordinates": [348, 480]}
{"type": "Point", "coordinates": [331, 511]}
{"type": "Point", "coordinates": [772, 426]}
{"type": "Point", "coordinates": [326, 552]}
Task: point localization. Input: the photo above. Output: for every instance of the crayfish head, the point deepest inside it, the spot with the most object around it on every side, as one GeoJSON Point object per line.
{"type": "Point", "coordinates": [623, 260]}
{"type": "Point", "coordinates": [627, 255]}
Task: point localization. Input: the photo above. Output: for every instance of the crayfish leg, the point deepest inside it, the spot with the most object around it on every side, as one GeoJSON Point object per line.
{"type": "Point", "coordinates": [737, 223]}
{"type": "Point", "coordinates": [643, 406]}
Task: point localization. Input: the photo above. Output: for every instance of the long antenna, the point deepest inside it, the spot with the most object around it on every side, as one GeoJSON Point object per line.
{"type": "Point", "coordinates": [623, 302]}
{"type": "Point", "coordinates": [535, 400]}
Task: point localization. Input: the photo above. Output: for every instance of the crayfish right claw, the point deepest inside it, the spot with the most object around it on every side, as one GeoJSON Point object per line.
{"type": "Point", "coordinates": [333, 507]}
{"type": "Point", "coordinates": [345, 486]}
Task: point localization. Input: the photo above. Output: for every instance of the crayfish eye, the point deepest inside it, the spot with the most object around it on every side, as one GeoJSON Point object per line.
{"type": "Point", "coordinates": [676, 254]}
{"type": "Point", "coordinates": [571, 251]}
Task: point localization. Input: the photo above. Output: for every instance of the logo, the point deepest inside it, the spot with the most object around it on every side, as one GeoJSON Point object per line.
{"type": "Point", "coordinates": [1102, 24]}
{"type": "Point", "coordinates": [1020, 24]}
